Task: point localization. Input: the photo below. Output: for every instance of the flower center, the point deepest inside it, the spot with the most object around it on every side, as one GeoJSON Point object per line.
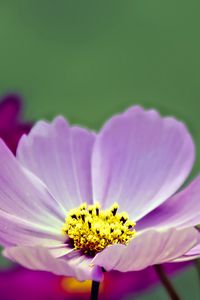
{"type": "Point", "coordinates": [91, 230]}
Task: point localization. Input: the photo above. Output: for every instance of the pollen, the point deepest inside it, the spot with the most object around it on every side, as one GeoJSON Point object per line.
{"type": "Point", "coordinates": [91, 229]}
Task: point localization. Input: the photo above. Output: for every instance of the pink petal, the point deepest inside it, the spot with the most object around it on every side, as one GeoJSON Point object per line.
{"type": "Point", "coordinates": [181, 210]}
{"type": "Point", "coordinates": [191, 254]}
{"type": "Point", "coordinates": [61, 157]}
{"type": "Point", "coordinates": [39, 258]}
{"type": "Point", "coordinates": [140, 159]}
{"type": "Point", "coordinates": [147, 248]}
{"type": "Point", "coordinates": [195, 250]}
{"type": "Point", "coordinates": [60, 250]}
{"type": "Point", "coordinates": [17, 231]}
{"type": "Point", "coordinates": [25, 203]}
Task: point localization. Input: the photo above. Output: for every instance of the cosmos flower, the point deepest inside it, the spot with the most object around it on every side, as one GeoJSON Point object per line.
{"type": "Point", "coordinates": [77, 203]}
{"type": "Point", "coordinates": [23, 284]}
{"type": "Point", "coordinates": [12, 281]}
{"type": "Point", "coordinates": [11, 127]}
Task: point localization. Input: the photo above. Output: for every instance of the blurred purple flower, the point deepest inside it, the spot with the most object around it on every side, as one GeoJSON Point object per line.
{"type": "Point", "coordinates": [11, 126]}
{"type": "Point", "coordinates": [23, 284]}
{"type": "Point", "coordinates": [138, 159]}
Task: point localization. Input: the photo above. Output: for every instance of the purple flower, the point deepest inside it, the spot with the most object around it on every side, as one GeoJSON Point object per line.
{"type": "Point", "coordinates": [50, 218]}
{"type": "Point", "coordinates": [11, 127]}
{"type": "Point", "coordinates": [23, 284]}
{"type": "Point", "coordinates": [12, 281]}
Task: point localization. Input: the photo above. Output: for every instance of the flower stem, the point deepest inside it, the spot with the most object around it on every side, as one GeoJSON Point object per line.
{"type": "Point", "coordinates": [166, 282]}
{"type": "Point", "coordinates": [94, 290]}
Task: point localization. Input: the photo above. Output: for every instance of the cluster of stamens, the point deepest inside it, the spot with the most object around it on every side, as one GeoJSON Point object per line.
{"type": "Point", "coordinates": [90, 229]}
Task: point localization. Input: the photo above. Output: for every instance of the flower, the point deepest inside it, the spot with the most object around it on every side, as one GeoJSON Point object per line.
{"type": "Point", "coordinates": [11, 127]}
{"type": "Point", "coordinates": [23, 284]}
{"type": "Point", "coordinates": [61, 197]}
{"type": "Point", "coordinates": [20, 283]}
{"type": "Point", "coordinates": [48, 285]}
{"type": "Point", "coordinates": [12, 280]}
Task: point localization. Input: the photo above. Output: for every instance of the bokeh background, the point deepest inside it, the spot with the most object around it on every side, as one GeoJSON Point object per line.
{"type": "Point", "coordinates": [90, 59]}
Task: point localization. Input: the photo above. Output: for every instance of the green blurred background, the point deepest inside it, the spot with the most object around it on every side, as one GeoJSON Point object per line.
{"type": "Point", "coordinates": [90, 59]}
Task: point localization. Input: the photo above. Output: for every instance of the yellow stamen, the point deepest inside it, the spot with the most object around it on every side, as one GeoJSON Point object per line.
{"type": "Point", "coordinates": [91, 229]}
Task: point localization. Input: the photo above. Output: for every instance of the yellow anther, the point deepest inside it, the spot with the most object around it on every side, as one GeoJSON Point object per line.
{"type": "Point", "coordinates": [91, 229]}
{"type": "Point", "coordinates": [83, 206]}
{"type": "Point", "coordinates": [130, 224]}
{"type": "Point", "coordinates": [114, 208]}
